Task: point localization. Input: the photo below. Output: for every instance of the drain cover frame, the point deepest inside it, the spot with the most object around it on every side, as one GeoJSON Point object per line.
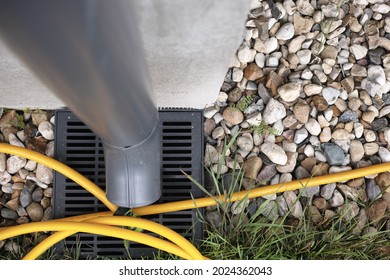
{"type": "Point", "coordinates": [78, 147]}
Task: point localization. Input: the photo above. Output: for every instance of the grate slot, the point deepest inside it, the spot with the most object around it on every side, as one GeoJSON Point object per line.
{"type": "Point", "coordinates": [176, 152]}
{"type": "Point", "coordinates": [78, 147]}
{"type": "Point", "coordinates": [177, 124]}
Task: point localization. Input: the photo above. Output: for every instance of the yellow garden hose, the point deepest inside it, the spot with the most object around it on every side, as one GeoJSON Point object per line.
{"type": "Point", "coordinates": [190, 251]}
{"type": "Point", "coordinates": [100, 223]}
{"type": "Point", "coordinates": [96, 229]}
{"type": "Point", "coordinates": [61, 168]}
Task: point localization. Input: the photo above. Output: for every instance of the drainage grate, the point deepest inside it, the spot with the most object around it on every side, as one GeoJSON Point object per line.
{"type": "Point", "coordinates": [78, 147]}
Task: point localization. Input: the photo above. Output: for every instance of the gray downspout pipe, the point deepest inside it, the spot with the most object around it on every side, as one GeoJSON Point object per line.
{"type": "Point", "coordinates": [89, 53]}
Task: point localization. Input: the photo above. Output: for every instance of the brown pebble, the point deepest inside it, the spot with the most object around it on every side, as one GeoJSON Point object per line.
{"type": "Point", "coordinates": [383, 181]}
{"type": "Point", "coordinates": [308, 163]}
{"type": "Point", "coordinates": [288, 135]}
{"type": "Point", "coordinates": [355, 183]}
{"type": "Point", "coordinates": [208, 126]}
{"type": "Point", "coordinates": [320, 103]}
{"type": "Point", "coordinates": [17, 179]}
{"type": "Point", "coordinates": [47, 215]}
{"type": "Point", "coordinates": [251, 167]}
{"type": "Point", "coordinates": [320, 203]}
{"type": "Point", "coordinates": [348, 84]}
{"type": "Point", "coordinates": [45, 202]}
{"type": "Point", "coordinates": [274, 82]}
{"type": "Point", "coordinates": [279, 139]}
{"type": "Point", "coordinates": [248, 183]}
{"type": "Point", "coordinates": [381, 137]}
{"type": "Point", "coordinates": [336, 111]}
{"type": "Point", "coordinates": [362, 62]}
{"type": "Point", "coordinates": [35, 211]}
{"type": "Point", "coordinates": [349, 127]}
{"type": "Point", "coordinates": [253, 72]}
{"type": "Point", "coordinates": [48, 192]}
{"type": "Point", "coordinates": [320, 169]}
{"type": "Point", "coordinates": [377, 210]}
{"type": "Point", "coordinates": [22, 220]}
{"type": "Point", "coordinates": [15, 193]}
{"type": "Point", "coordinates": [386, 197]}
{"type": "Point", "coordinates": [233, 115]}
{"type": "Point", "coordinates": [13, 204]}
{"type": "Point", "coordinates": [329, 214]}
{"type": "Point", "coordinates": [234, 95]}
{"type": "Point", "coordinates": [339, 126]}
{"type": "Point", "coordinates": [315, 215]}
{"type": "Point", "coordinates": [37, 144]}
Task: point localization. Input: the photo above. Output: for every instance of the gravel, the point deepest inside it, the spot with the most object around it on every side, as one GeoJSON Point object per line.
{"type": "Point", "coordinates": [326, 97]}
{"type": "Point", "coordinates": [23, 181]}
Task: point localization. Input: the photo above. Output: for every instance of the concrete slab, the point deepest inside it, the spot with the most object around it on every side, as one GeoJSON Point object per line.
{"type": "Point", "coordinates": [188, 46]}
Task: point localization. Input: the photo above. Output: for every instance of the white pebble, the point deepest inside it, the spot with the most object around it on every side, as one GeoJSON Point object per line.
{"type": "Point", "coordinates": [320, 156]}
{"type": "Point", "coordinates": [272, 61]}
{"type": "Point", "coordinates": [274, 152]}
{"type": "Point", "coordinates": [271, 45]}
{"type": "Point", "coordinates": [47, 130]}
{"type": "Point", "coordinates": [358, 51]}
{"type": "Point", "coordinates": [300, 135]}
{"type": "Point", "coordinates": [244, 54]}
{"type": "Point", "coordinates": [274, 111]}
{"type": "Point", "coordinates": [32, 177]}
{"type": "Point", "coordinates": [304, 56]}
{"type": "Point", "coordinates": [359, 129]}
{"type": "Point", "coordinates": [260, 60]}
{"type": "Point", "coordinates": [285, 32]}
{"type": "Point", "coordinates": [13, 140]}
{"type": "Point", "coordinates": [30, 165]}
{"type": "Point", "coordinates": [209, 112]}
{"type": "Point", "coordinates": [384, 154]}
{"type": "Point", "coordinates": [309, 151]}
{"type": "Point", "coordinates": [386, 134]}
{"type": "Point", "coordinates": [222, 97]}
{"type": "Point", "coordinates": [3, 162]}
{"type": "Point", "coordinates": [289, 147]}
{"type": "Point", "coordinates": [218, 118]}
{"type": "Point", "coordinates": [369, 135]}
{"type": "Point", "coordinates": [313, 127]}
{"type": "Point", "coordinates": [330, 94]}
{"type": "Point", "coordinates": [237, 75]}
{"type": "Point", "coordinates": [14, 164]}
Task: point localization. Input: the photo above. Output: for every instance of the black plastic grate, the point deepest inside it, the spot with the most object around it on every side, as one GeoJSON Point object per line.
{"type": "Point", "coordinates": [78, 147]}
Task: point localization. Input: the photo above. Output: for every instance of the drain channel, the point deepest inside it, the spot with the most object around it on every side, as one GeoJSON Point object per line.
{"type": "Point", "coordinates": [78, 147]}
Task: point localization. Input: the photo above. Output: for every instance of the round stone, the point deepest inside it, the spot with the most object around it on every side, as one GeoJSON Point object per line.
{"type": "Point", "coordinates": [320, 103]}
{"type": "Point", "coordinates": [233, 115]}
{"type": "Point", "coordinates": [8, 214]}
{"type": "Point", "coordinates": [245, 143]}
{"type": "Point", "coordinates": [44, 174]}
{"type": "Point", "coordinates": [252, 167]}
{"type": "Point", "coordinates": [218, 133]}
{"type": "Point", "coordinates": [301, 111]}
{"type": "Point", "coordinates": [356, 150]}
{"type": "Point", "coordinates": [330, 94]}
{"type": "Point", "coordinates": [333, 153]}
{"type": "Point", "coordinates": [25, 197]}
{"type": "Point", "coordinates": [274, 152]}
{"type": "Point", "coordinates": [290, 92]}
{"type": "Point", "coordinates": [274, 111]}
{"type": "Point", "coordinates": [285, 32]}
{"type": "Point", "coordinates": [313, 127]}
{"type": "Point", "coordinates": [47, 130]}
{"type": "Point", "coordinates": [14, 164]}
{"type": "Point", "coordinates": [35, 211]}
